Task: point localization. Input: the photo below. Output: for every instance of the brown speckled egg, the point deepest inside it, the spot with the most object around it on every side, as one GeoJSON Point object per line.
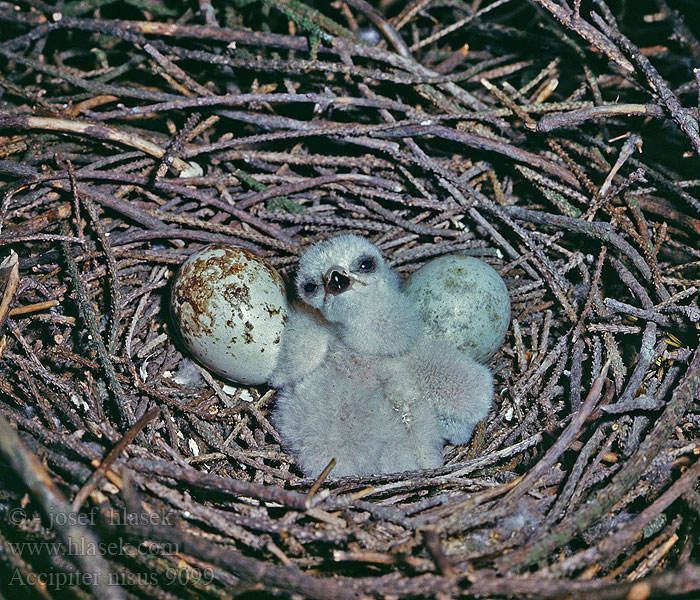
{"type": "Point", "coordinates": [230, 307]}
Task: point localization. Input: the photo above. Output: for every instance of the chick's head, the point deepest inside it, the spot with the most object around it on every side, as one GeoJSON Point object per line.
{"type": "Point", "coordinates": [345, 278]}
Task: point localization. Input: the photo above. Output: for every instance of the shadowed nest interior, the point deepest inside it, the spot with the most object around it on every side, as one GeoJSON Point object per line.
{"type": "Point", "coordinates": [557, 141]}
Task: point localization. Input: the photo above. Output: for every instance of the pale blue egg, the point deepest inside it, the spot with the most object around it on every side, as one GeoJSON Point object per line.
{"type": "Point", "coordinates": [464, 301]}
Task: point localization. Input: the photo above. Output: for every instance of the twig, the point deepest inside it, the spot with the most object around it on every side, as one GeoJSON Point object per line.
{"type": "Point", "coordinates": [562, 443]}
{"type": "Point", "coordinates": [685, 121]}
{"type": "Point", "coordinates": [89, 129]}
{"type": "Point", "coordinates": [88, 314]}
{"type": "Point", "coordinates": [321, 478]}
{"type": "Point", "coordinates": [109, 460]}
{"type": "Point", "coordinates": [628, 475]}
{"type": "Point", "coordinates": [42, 487]}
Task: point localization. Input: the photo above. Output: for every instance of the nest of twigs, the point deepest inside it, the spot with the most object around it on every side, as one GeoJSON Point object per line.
{"type": "Point", "coordinates": [132, 133]}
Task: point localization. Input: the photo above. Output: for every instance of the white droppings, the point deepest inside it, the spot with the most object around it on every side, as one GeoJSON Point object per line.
{"type": "Point", "coordinates": [194, 170]}
{"type": "Point", "coordinates": [246, 396]}
{"type": "Point", "coordinates": [509, 414]}
{"type": "Point", "coordinates": [79, 402]}
{"type": "Point", "coordinates": [194, 448]}
{"type": "Point", "coordinates": [143, 370]}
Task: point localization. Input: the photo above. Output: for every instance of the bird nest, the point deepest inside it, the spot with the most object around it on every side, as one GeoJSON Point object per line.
{"type": "Point", "coordinates": [134, 133]}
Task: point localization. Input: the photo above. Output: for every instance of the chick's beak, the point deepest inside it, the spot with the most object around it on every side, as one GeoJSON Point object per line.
{"type": "Point", "coordinates": [336, 281]}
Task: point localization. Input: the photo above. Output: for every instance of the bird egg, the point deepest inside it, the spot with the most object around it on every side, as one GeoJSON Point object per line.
{"type": "Point", "coordinates": [464, 301]}
{"type": "Point", "coordinates": [230, 307]}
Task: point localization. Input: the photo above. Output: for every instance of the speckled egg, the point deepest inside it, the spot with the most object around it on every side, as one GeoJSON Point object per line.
{"type": "Point", "coordinates": [230, 307]}
{"type": "Point", "coordinates": [462, 300]}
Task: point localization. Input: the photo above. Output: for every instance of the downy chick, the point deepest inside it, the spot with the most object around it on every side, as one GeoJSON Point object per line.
{"type": "Point", "coordinates": [357, 379]}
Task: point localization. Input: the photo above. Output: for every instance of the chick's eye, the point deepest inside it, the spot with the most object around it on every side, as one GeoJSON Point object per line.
{"type": "Point", "coordinates": [367, 265]}
{"type": "Point", "coordinates": [309, 287]}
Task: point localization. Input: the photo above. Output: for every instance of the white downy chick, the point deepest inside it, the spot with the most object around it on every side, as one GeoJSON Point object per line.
{"type": "Point", "coordinates": [357, 379]}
